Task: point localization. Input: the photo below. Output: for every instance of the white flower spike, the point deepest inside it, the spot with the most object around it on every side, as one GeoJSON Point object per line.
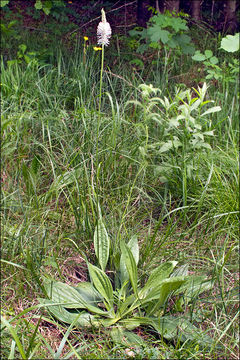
{"type": "Point", "coordinates": [104, 31]}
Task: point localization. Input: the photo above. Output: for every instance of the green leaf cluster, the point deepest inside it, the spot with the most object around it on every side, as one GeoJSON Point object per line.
{"type": "Point", "coordinates": [185, 127]}
{"type": "Point", "coordinates": [164, 30]}
{"type": "Point", "coordinates": [102, 303]}
{"type": "Point", "coordinates": [226, 72]}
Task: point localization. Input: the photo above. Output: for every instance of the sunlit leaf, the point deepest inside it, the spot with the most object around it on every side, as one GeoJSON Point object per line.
{"type": "Point", "coordinates": [101, 244]}
{"type": "Point", "coordinates": [230, 43]}
{"type": "Point", "coordinates": [130, 264]}
{"type": "Point", "coordinates": [160, 273]}
{"type": "Point", "coordinates": [133, 246]}
{"type": "Point", "coordinates": [101, 283]}
{"type": "Point", "coordinates": [212, 110]}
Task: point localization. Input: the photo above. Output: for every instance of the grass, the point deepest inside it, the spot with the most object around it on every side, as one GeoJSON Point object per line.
{"type": "Point", "coordinates": [49, 203]}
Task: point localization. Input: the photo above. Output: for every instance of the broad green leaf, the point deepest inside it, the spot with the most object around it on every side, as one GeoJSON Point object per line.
{"type": "Point", "coordinates": [22, 47]}
{"type": "Point", "coordinates": [88, 293]}
{"type": "Point", "coordinates": [157, 34]}
{"type": "Point", "coordinates": [160, 273]}
{"type": "Point", "coordinates": [47, 7]}
{"type": "Point", "coordinates": [125, 304]}
{"type": "Point", "coordinates": [110, 321]}
{"type": "Point", "coordinates": [198, 56]}
{"type": "Point", "coordinates": [135, 321]}
{"type": "Point", "coordinates": [131, 266]}
{"type": "Point", "coordinates": [62, 314]}
{"type": "Point", "coordinates": [208, 53]}
{"type": "Point", "coordinates": [198, 136]}
{"type": "Point", "coordinates": [204, 145]}
{"type": "Point", "coordinates": [46, 10]}
{"type": "Point", "coordinates": [180, 271]}
{"type": "Point", "coordinates": [213, 60]}
{"type": "Point", "coordinates": [121, 336]}
{"type": "Point", "coordinates": [194, 286]}
{"type": "Point", "coordinates": [65, 294]}
{"type": "Point", "coordinates": [177, 23]}
{"type": "Point", "coordinates": [165, 147]}
{"type": "Point", "coordinates": [38, 5]}
{"type": "Point", "coordinates": [212, 110]}
{"type": "Point", "coordinates": [230, 43]}
{"type": "Point", "coordinates": [69, 297]}
{"type": "Point", "coordinates": [177, 327]}
{"type": "Point", "coordinates": [195, 104]}
{"type": "Point", "coordinates": [101, 283]}
{"type": "Point", "coordinates": [161, 292]}
{"type": "Point", "coordinates": [101, 244]}
{"type": "Point", "coordinates": [133, 246]}
{"type": "Point", "coordinates": [188, 49]}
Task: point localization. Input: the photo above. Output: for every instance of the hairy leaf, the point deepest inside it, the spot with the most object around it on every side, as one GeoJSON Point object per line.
{"type": "Point", "coordinates": [130, 264]}
{"type": "Point", "coordinates": [160, 273]}
{"type": "Point", "coordinates": [101, 244]}
{"type": "Point", "coordinates": [133, 246]}
{"type": "Point", "coordinates": [101, 283]}
{"type": "Point", "coordinates": [64, 315]}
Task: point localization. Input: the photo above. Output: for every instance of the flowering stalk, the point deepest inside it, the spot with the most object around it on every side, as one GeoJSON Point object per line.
{"type": "Point", "coordinates": [103, 34]}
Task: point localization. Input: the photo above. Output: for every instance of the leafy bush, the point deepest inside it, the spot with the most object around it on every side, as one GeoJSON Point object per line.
{"type": "Point", "coordinates": [164, 30]}
{"type": "Point", "coordinates": [182, 129]}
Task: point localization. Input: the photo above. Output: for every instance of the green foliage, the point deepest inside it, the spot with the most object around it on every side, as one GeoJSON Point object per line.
{"type": "Point", "coordinates": [164, 30]}
{"type": "Point", "coordinates": [31, 58]}
{"type": "Point", "coordinates": [4, 3]}
{"type": "Point", "coordinates": [100, 304]}
{"type": "Point", "coordinates": [227, 71]}
{"type": "Point", "coordinates": [208, 55]}
{"type": "Point", "coordinates": [47, 5]}
{"type": "Point", "coordinates": [183, 129]}
{"type": "Point", "coordinates": [8, 29]}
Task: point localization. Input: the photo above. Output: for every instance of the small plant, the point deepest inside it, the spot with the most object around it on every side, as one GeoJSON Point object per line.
{"type": "Point", "coordinates": [182, 129]}
{"type": "Point", "coordinates": [23, 54]}
{"type": "Point", "coordinates": [227, 72]}
{"type": "Point", "coordinates": [120, 301]}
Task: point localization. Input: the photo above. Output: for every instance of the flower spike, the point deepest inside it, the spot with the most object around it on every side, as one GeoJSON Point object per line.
{"type": "Point", "coordinates": [104, 31]}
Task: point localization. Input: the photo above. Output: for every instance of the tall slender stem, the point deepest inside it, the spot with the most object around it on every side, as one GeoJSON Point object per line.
{"type": "Point", "coordinates": [98, 126]}
{"type": "Point", "coordinates": [101, 75]}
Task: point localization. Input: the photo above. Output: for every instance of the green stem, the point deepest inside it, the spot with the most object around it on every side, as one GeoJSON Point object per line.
{"type": "Point", "coordinates": [101, 75]}
{"type": "Point", "coordinates": [98, 126]}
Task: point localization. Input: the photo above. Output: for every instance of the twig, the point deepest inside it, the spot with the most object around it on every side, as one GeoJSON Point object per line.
{"type": "Point", "coordinates": [122, 78]}
{"type": "Point", "coordinates": [98, 17]}
{"type": "Point", "coordinates": [32, 28]}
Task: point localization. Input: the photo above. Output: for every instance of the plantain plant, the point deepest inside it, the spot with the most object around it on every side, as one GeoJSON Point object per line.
{"type": "Point", "coordinates": [122, 304]}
